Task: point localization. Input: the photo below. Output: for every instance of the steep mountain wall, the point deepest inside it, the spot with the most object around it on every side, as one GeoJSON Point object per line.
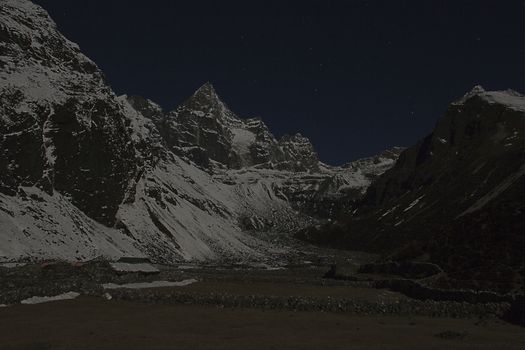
{"type": "Point", "coordinates": [455, 197]}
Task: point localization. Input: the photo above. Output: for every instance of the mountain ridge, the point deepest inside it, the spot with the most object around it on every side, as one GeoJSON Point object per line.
{"type": "Point", "coordinates": [85, 173]}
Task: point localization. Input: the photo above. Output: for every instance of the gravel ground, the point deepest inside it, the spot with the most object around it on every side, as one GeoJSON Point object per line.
{"type": "Point", "coordinates": [94, 323]}
{"type": "Point", "coordinates": [298, 288]}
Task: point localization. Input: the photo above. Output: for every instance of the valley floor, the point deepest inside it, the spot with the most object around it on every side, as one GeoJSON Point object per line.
{"type": "Point", "coordinates": [235, 307]}
{"type": "Point", "coordinates": [93, 323]}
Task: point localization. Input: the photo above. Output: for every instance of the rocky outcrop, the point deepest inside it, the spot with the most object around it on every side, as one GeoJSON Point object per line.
{"type": "Point", "coordinates": [299, 154]}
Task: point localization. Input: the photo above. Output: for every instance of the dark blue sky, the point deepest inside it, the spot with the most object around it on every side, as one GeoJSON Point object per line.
{"type": "Point", "coordinates": [355, 77]}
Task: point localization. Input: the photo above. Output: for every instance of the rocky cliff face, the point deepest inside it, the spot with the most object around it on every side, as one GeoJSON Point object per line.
{"type": "Point", "coordinates": [474, 155]}
{"type": "Point", "coordinates": [454, 197]}
{"type": "Point", "coordinates": [60, 124]}
{"type": "Point", "coordinates": [66, 156]}
{"type": "Point", "coordinates": [206, 131]}
{"type": "Point", "coordinates": [85, 173]}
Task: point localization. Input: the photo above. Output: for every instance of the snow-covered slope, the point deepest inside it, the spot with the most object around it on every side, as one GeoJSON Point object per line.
{"type": "Point", "coordinates": [179, 210]}
{"type": "Point", "coordinates": [34, 224]}
{"type": "Point", "coordinates": [85, 173]}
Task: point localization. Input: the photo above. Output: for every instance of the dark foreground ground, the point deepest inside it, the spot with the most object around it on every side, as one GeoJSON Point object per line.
{"type": "Point", "coordinates": [94, 323]}
{"type": "Point", "coordinates": [240, 307]}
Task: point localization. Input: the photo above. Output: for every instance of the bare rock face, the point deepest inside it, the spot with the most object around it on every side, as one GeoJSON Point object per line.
{"type": "Point", "coordinates": [61, 128]}
{"type": "Point", "coordinates": [206, 131]}
{"type": "Point", "coordinates": [199, 128]}
{"type": "Point", "coordinates": [299, 154]}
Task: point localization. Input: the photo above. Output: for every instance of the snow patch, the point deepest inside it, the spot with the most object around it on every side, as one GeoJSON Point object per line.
{"type": "Point", "coordinates": [388, 212]}
{"type": "Point", "coordinates": [46, 299]}
{"type": "Point", "coordinates": [155, 284]}
{"type": "Point", "coordinates": [12, 265]}
{"type": "Point", "coordinates": [413, 204]}
{"type": "Point", "coordinates": [399, 223]}
{"type": "Point", "coordinates": [242, 139]}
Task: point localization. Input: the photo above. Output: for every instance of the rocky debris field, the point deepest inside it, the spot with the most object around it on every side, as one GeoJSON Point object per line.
{"type": "Point", "coordinates": [294, 288]}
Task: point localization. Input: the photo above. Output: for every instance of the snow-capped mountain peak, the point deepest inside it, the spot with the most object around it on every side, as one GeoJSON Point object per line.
{"type": "Point", "coordinates": [508, 98]}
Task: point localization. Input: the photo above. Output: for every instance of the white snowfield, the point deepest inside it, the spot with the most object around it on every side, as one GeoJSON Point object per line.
{"type": "Point", "coordinates": [40, 300]}
{"type": "Point", "coordinates": [41, 226]}
{"type": "Point", "coordinates": [195, 221]}
{"type": "Point", "coordinates": [242, 139]}
{"type": "Point", "coordinates": [145, 285]}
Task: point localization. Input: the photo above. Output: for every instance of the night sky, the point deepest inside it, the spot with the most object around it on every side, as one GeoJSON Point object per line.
{"type": "Point", "coordinates": [356, 77]}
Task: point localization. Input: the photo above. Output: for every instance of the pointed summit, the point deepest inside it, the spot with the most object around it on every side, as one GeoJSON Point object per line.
{"type": "Point", "coordinates": [207, 86]}
{"type": "Point", "coordinates": [206, 102]}
{"type": "Point", "coordinates": [206, 91]}
{"type": "Point", "coordinates": [478, 89]}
